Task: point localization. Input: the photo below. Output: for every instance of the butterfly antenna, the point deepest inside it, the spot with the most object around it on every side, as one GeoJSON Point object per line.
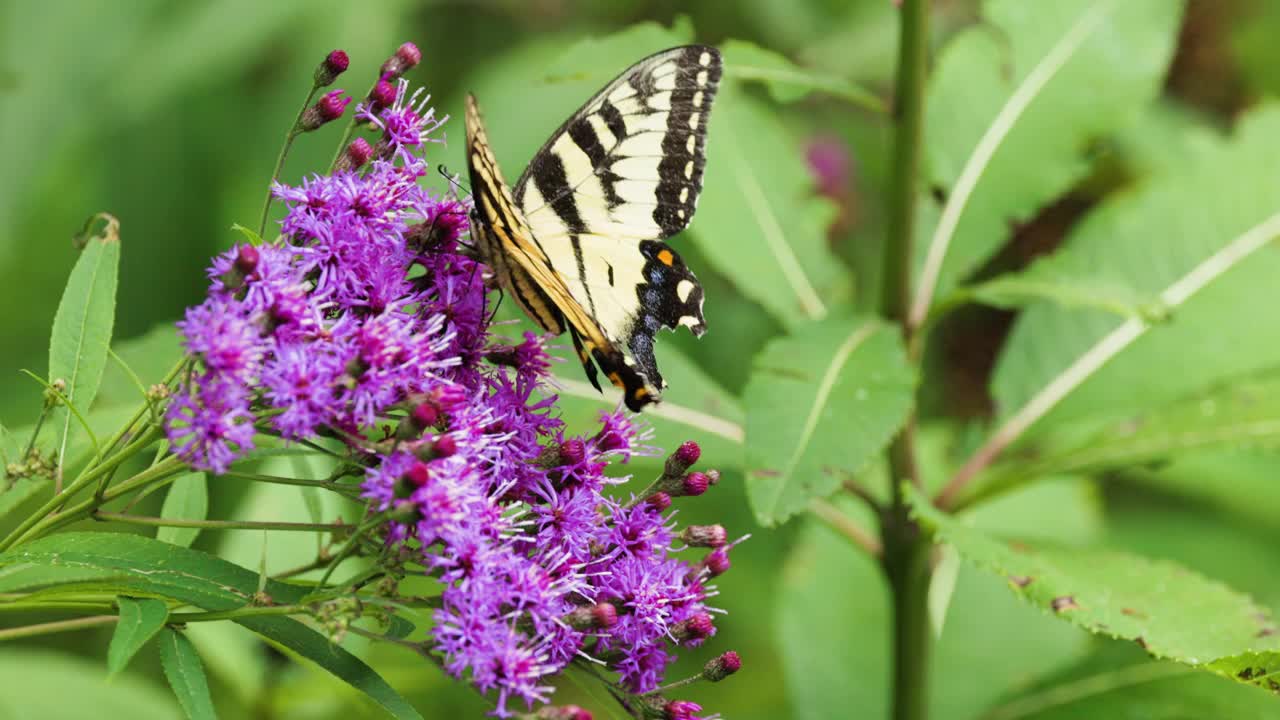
{"type": "Point", "coordinates": [454, 179]}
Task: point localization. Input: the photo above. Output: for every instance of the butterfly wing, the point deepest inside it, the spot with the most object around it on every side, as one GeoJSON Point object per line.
{"type": "Point", "coordinates": [621, 175]}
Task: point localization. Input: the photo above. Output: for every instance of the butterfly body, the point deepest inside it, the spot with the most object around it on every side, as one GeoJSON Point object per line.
{"type": "Point", "coordinates": [579, 242]}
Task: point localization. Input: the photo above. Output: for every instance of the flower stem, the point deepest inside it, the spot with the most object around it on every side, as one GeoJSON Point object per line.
{"type": "Point", "coordinates": [289, 137]}
{"type": "Point", "coordinates": [341, 488]}
{"type": "Point", "coordinates": [906, 547]}
{"type": "Point", "coordinates": [57, 626]}
{"type": "Point", "coordinates": [220, 524]}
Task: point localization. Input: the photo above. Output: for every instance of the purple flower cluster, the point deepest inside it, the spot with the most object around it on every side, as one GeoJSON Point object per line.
{"type": "Point", "coordinates": [366, 314]}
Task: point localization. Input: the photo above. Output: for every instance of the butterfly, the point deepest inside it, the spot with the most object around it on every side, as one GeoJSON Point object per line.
{"type": "Point", "coordinates": [578, 242]}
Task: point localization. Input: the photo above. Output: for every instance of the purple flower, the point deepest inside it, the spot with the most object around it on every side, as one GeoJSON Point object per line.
{"type": "Point", "coordinates": [212, 426]}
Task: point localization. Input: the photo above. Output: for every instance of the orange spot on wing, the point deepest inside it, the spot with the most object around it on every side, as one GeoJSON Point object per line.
{"type": "Point", "coordinates": [666, 258]}
{"type": "Point", "coordinates": [617, 381]}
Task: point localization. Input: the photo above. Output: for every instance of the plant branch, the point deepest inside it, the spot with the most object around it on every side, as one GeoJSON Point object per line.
{"type": "Point", "coordinates": [843, 524]}
{"type": "Point", "coordinates": [289, 137]}
{"type": "Point", "coordinates": [220, 524]}
{"type": "Point", "coordinates": [1102, 352]}
{"type": "Point", "coordinates": [57, 626]}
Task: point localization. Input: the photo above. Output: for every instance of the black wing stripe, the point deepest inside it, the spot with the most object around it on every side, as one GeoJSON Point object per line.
{"type": "Point", "coordinates": [613, 120]}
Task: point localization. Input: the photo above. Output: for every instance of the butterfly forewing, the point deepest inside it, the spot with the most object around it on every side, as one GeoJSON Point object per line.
{"type": "Point", "coordinates": [621, 175]}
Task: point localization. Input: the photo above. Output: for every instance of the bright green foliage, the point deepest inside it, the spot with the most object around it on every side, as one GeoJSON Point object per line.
{"type": "Point", "coordinates": [1121, 682]}
{"type": "Point", "coordinates": [185, 672]}
{"type": "Point", "coordinates": [1168, 610]}
{"type": "Point", "coordinates": [82, 328]}
{"type": "Point", "coordinates": [820, 404]}
{"type": "Point", "coordinates": [187, 499]}
{"type": "Point", "coordinates": [786, 81]}
{"type": "Point", "coordinates": [1194, 212]}
{"type": "Point", "coordinates": [56, 685]}
{"type": "Point", "coordinates": [131, 563]}
{"type": "Point", "coordinates": [140, 619]}
{"type": "Point", "coordinates": [1118, 50]}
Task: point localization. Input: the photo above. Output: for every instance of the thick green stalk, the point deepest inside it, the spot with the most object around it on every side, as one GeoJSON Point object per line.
{"type": "Point", "coordinates": [906, 546]}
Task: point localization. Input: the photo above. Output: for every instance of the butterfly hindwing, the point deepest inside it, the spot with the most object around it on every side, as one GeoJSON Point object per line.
{"type": "Point", "coordinates": [621, 175]}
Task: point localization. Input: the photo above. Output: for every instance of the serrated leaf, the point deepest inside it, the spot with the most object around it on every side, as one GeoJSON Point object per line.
{"type": "Point", "coordinates": [187, 499]}
{"type": "Point", "coordinates": [150, 567]}
{"type": "Point", "coordinates": [1214, 218]}
{"type": "Point", "coordinates": [1007, 124]}
{"type": "Point", "coordinates": [788, 82]}
{"type": "Point", "coordinates": [1170, 611]}
{"type": "Point", "coordinates": [758, 216]}
{"type": "Point", "coordinates": [82, 327]}
{"type": "Point", "coordinates": [185, 673]}
{"type": "Point", "coordinates": [820, 404]}
{"type": "Point", "coordinates": [1122, 682]}
{"type": "Point", "coordinates": [140, 619]}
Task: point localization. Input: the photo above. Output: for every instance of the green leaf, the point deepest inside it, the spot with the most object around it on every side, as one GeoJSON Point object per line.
{"type": "Point", "coordinates": [1236, 416]}
{"type": "Point", "coordinates": [50, 685]}
{"type": "Point", "coordinates": [1198, 236]}
{"type": "Point", "coordinates": [82, 326]}
{"type": "Point", "coordinates": [308, 643]}
{"type": "Point", "coordinates": [1017, 290]}
{"type": "Point", "coordinates": [150, 567]}
{"type": "Point", "coordinates": [1008, 125]}
{"type": "Point", "coordinates": [185, 673]}
{"type": "Point", "coordinates": [759, 218]}
{"type": "Point", "coordinates": [820, 405]}
{"type": "Point", "coordinates": [1170, 611]}
{"type": "Point", "coordinates": [140, 620]}
{"type": "Point", "coordinates": [188, 499]}
{"type": "Point", "coordinates": [1121, 682]}
{"type": "Point", "coordinates": [788, 82]}
{"type": "Point", "coordinates": [834, 618]}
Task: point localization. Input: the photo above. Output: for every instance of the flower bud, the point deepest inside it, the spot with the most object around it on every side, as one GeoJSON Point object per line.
{"type": "Point", "coordinates": [659, 501]}
{"type": "Point", "coordinates": [334, 64]}
{"type": "Point", "coordinates": [712, 536]}
{"type": "Point", "coordinates": [327, 109]}
{"type": "Point", "coordinates": [695, 483]}
{"type": "Point", "coordinates": [682, 459]}
{"type": "Point", "coordinates": [406, 56]}
{"type": "Point", "coordinates": [418, 474]}
{"type": "Point", "coordinates": [567, 712]}
{"type": "Point", "coordinates": [405, 512]}
{"type": "Point", "coordinates": [694, 630]}
{"type": "Point", "coordinates": [436, 448]}
{"type": "Point", "coordinates": [722, 667]}
{"type": "Point", "coordinates": [382, 95]}
{"type": "Point", "coordinates": [355, 156]}
{"type": "Point", "coordinates": [572, 451]}
{"type": "Point", "coordinates": [600, 616]}
{"type": "Point", "coordinates": [680, 710]}
{"type": "Point", "coordinates": [717, 562]}
{"type": "Point", "coordinates": [246, 259]}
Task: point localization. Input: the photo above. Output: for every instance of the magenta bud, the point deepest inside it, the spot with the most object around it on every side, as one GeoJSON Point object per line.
{"type": "Point", "coordinates": [572, 451]}
{"type": "Point", "coordinates": [600, 616]}
{"type": "Point", "coordinates": [425, 415]}
{"type": "Point", "coordinates": [355, 156]}
{"type": "Point", "coordinates": [327, 109]}
{"type": "Point", "coordinates": [722, 667]}
{"type": "Point", "coordinates": [689, 452]}
{"type": "Point", "coordinates": [246, 259]}
{"type": "Point", "coordinates": [712, 536]}
{"type": "Point", "coordinates": [406, 56]}
{"type": "Point", "coordinates": [418, 474]}
{"type": "Point", "coordinates": [659, 501]}
{"type": "Point", "coordinates": [680, 710]}
{"type": "Point", "coordinates": [446, 446]}
{"type": "Point", "coordinates": [565, 712]}
{"type": "Point", "coordinates": [382, 95]}
{"type": "Point", "coordinates": [334, 64]}
{"type": "Point", "coordinates": [695, 629]}
{"type": "Point", "coordinates": [695, 483]}
{"type": "Point", "coordinates": [717, 562]}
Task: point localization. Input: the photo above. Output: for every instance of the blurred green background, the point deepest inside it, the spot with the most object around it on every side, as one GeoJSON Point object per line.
{"type": "Point", "coordinates": [169, 116]}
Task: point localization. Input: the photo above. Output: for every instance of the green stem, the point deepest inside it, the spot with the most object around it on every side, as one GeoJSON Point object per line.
{"type": "Point", "coordinates": [251, 611]}
{"type": "Point", "coordinates": [343, 488]}
{"type": "Point", "coordinates": [219, 524]}
{"type": "Point", "coordinates": [906, 547]}
{"type": "Point", "coordinates": [58, 626]}
{"type": "Point", "coordinates": [289, 137]}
